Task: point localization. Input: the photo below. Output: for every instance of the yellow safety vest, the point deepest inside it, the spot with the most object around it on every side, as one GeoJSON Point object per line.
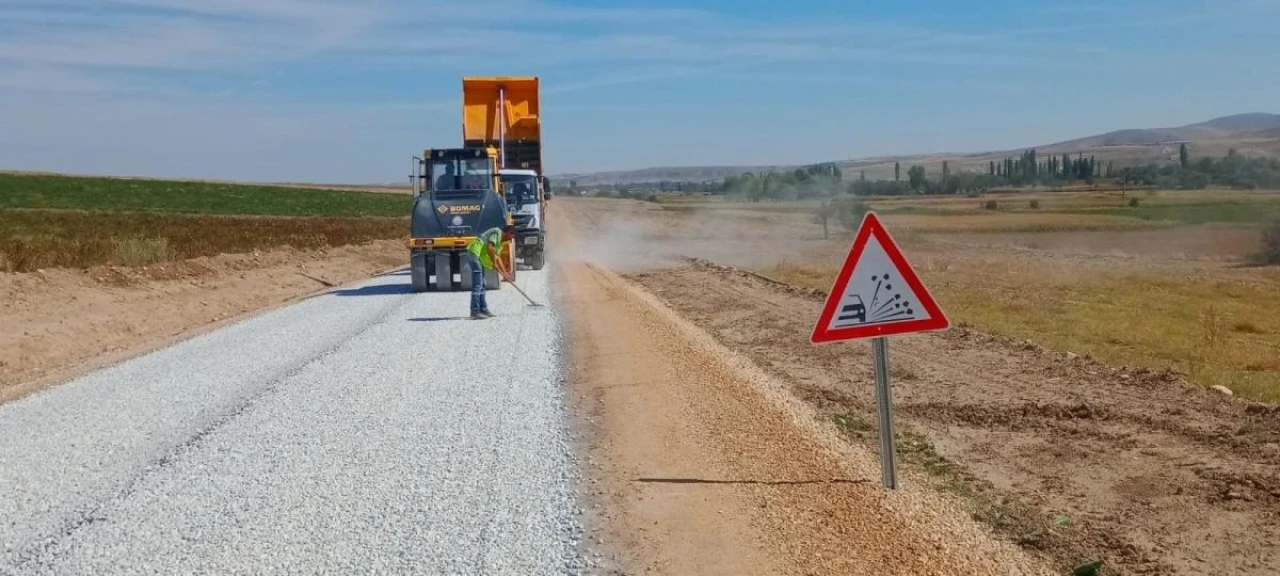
{"type": "Point", "coordinates": [492, 236]}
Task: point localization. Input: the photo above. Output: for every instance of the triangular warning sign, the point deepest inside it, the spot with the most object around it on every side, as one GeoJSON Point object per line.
{"type": "Point", "coordinates": [877, 293]}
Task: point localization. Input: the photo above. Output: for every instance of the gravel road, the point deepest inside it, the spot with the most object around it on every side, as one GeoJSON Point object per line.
{"type": "Point", "coordinates": [368, 430]}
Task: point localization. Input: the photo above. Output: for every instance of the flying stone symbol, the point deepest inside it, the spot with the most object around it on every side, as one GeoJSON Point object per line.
{"type": "Point", "coordinates": [892, 307]}
{"type": "Point", "coordinates": [886, 305]}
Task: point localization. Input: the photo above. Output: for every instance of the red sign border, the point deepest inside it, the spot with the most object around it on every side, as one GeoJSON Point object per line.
{"type": "Point", "coordinates": [871, 227]}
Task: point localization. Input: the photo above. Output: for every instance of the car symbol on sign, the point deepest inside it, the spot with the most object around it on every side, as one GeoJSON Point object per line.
{"type": "Point", "coordinates": [856, 311]}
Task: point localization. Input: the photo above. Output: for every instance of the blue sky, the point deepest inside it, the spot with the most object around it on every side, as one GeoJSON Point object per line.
{"type": "Point", "coordinates": [348, 91]}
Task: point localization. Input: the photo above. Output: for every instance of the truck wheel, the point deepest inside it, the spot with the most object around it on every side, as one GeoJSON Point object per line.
{"type": "Point", "coordinates": [444, 272]}
{"type": "Point", "coordinates": [418, 271]}
{"type": "Point", "coordinates": [538, 260]}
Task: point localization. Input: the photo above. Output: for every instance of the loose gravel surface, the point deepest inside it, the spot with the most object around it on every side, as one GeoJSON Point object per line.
{"type": "Point", "coordinates": [368, 430]}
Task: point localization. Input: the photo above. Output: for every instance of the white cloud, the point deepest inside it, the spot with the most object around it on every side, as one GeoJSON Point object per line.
{"type": "Point", "coordinates": [245, 35]}
{"type": "Point", "coordinates": [168, 86]}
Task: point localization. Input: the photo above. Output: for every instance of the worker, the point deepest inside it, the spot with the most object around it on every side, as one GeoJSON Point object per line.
{"type": "Point", "coordinates": [524, 193]}
{"type": "Point", "coordinates": [483, 254]}
{"type": "Point", "coordinates": [446, 181]}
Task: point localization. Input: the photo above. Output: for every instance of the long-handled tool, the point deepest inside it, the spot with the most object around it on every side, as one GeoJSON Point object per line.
{"type": "Point", "coordinates": [513, 285]}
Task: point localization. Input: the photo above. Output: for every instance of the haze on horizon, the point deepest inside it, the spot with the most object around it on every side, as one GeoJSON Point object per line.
{"type": "Point", "coordinates": [289, 90]}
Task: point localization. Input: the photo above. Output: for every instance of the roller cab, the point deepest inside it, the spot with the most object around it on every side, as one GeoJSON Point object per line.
{"type": "Point", "coordinates": [457, 195]}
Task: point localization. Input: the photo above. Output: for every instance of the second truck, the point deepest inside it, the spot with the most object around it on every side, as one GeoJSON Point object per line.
{"type": "Point", "coordinates": [502, 113]}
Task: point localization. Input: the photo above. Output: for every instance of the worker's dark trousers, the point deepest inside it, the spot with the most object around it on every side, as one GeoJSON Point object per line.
{"type": "Point", "coordinates": [478, 303]}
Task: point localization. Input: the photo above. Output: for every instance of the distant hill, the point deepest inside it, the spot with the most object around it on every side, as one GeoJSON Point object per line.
{"type": "Point", "coordinates": [1254, 134]}
{"type": "Point", "coordinates": [1226, 126]}
{"type": "Point", "coordinates": [1242, 123]}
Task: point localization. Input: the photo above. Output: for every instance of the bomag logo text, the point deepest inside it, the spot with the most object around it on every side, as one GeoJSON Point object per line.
{"type": "Point", "coordinates": [464, 209]}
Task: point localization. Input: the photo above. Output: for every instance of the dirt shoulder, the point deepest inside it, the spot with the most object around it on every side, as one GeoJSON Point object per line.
{"type": "Point", "coordinates": [57, 323]}
{"type": "Point", "coordinates": [1071, 459]}
{"type": "Point", "coordinates": [699, 463]}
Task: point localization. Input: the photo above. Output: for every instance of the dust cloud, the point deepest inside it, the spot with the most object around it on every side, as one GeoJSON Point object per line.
{"type": "Point", "coordinates": [633, 236]}
{"type": "Point", "coordinates": [619, 241]}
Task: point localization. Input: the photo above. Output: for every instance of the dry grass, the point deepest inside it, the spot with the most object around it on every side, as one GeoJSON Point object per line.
{"type": "Point", "coordinates": [35, 239]}
{"type": "Point", "coordinates": [142, 251]}
{"type": "Point", "coordinates": [1010, 222]}
{"type": "Point", "coordinates": [1176, 206]}
{"type": "Point", "coordinates": [926, 217]}
{"type": "Point", "coordinates": [1220, 328]}
{"type": "Point", "coordinates": [801, 274]}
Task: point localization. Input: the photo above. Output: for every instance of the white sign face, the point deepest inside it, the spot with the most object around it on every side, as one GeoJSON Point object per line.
{"type": "Point", "coordinates": [877, 293]}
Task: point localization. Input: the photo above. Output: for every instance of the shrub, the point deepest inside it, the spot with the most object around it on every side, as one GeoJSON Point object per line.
{"type": "Point", "coordinates": [1270, 254]}
{"type": "Point", "coordinates": [850, 213]}
{"type": "Point", "coordinates": [652, 198]}
{"type": "Point", "coordinates": [1213, 327]}
{"type": "Point", "coordinates": [1133, 202]}
{"type": "Point", "coordinates": [1035, 204]}
{"type": "Point", "coordinates": [823, 215]}
{"type": "Point", "coordinates": [991, 205]}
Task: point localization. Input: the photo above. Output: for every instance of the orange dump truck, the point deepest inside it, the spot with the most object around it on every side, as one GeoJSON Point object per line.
{"type": "Point", "coordinates": [502, 112]}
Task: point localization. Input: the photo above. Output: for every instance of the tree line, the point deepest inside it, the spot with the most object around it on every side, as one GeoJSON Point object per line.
{"type": "Point", "coordinates": [1026, 169]}
{"type": "Point", "coordinates": [1054, 170]}
{"type": "Point", "coordinates": [1029, 168]}
{"type": "Point", "coordinates": [1233, 170]}
{"type": "Point", "coordinates": [811, 181]}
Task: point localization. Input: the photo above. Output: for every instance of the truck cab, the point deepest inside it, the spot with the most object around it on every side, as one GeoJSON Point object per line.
{"type": "Point", "coordinates": [526, 195]}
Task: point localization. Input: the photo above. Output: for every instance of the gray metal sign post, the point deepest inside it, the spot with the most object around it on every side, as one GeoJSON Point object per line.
{"type": "Point", "coordinates": [884, 406]}
{"type": "Point", "coordinates": [878, 294]}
